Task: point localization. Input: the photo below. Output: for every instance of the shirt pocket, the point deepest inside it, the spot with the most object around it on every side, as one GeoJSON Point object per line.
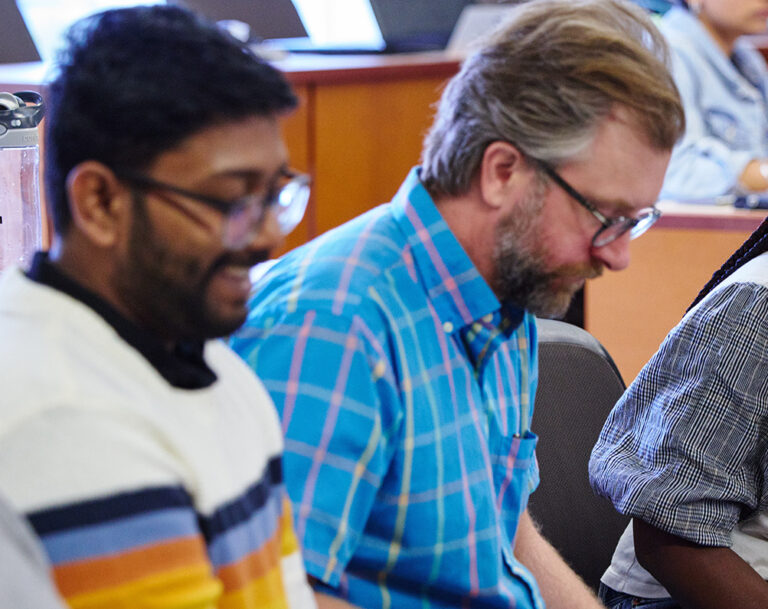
{"type": "Point", "coordinates": [515, 476]}
{"type": "Point", "coordinates": [726, 127]}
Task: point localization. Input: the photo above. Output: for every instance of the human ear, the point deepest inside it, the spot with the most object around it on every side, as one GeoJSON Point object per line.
{"type": "Point", "coordinates": [502, 172]}
{"type": "Point", "coordinates": [96, 202]}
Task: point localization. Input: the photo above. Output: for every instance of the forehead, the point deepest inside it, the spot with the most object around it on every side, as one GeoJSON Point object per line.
{"type": "Point", "coordinates": [251, 144]}
{"type": "Point", "coordinates": [620, 168]}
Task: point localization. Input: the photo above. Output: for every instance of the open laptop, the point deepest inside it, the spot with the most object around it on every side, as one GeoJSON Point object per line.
{"type": "Point", "coordinates": [16, 44]}
{"type": "Point", "coordinates": [341, 26]}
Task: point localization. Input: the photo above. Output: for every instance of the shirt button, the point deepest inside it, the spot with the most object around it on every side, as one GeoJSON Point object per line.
{"type": "Point", "coordinates": [448, 327]}
{"type": "Point", "coordinates": [488, 318]}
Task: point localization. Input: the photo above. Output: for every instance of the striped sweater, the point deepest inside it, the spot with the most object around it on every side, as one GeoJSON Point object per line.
{"type": "Point", "coordinates": [144, 494]}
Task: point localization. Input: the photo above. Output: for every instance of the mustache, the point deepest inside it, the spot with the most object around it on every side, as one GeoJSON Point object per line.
{"type": "Point", "coordinates": [592, 270]}
{"type": "Point", "coordinates": [246, 259]}
{"type": "Point", "coordinates": [249, 259]}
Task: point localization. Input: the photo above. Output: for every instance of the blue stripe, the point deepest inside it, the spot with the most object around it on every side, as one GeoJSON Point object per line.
{"type": "Point", "coordinates": [116, 537]}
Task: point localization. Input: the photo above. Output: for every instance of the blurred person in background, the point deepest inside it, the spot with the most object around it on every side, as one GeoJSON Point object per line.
{"type": "Point", "coordinates": [723, 82]}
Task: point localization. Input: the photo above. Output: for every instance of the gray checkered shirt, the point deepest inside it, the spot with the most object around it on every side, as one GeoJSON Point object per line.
{"type": "Point", "coordinates": [686, 447]}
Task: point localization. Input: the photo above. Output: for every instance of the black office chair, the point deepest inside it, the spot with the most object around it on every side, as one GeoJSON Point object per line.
{"type": "Point", "coordinates": [578, 386]}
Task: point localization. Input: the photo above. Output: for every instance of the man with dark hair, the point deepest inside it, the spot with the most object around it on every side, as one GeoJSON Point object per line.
{"type": "Point", "coordinates": [145, 456]}
{"type": "Point", "coordinates": [400, 348]}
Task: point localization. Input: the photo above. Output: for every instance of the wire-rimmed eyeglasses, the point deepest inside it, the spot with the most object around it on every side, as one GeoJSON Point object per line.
{"type": "Point", "coordinates": [612, 228]}
{"type": "Point", "coordinates": [287, 198]}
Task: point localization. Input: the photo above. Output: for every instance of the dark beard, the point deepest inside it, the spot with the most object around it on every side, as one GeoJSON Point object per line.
{"type": "Point", "coordinates": [166, 292]}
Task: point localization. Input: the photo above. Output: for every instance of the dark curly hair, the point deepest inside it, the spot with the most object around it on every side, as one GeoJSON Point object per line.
{"type": "Point", "coordinates": [133, 83]}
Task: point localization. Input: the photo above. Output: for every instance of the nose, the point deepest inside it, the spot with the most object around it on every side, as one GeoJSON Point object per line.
{"type": "Point", "coordinates": [615, 255]}
{"type": "Point", "coordinates": [267, 234]}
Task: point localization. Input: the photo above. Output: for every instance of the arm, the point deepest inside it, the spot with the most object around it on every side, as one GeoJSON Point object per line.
{"type": "Point", "coordinates": [560, 586]}
{"type": "Point", "coordinates": [755, 175]}
{"type": "Point", "coordinates": [683, 449]}
{"type": "Point", "coordinates": [336, 418]}
{"type": "Point", "coordinates": [699, 577]}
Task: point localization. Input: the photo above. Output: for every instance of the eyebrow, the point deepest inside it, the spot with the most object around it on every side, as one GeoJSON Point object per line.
{"type": "Point", "coordinates": [251, 177]}
{"type": "Point", "coordinates": [615, 208]}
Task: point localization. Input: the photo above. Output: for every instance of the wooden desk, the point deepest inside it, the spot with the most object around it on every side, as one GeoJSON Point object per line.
{"type": "Point", "coordinates": [631, 311]}
{"type": "Point", "coordinates": [360, 128]}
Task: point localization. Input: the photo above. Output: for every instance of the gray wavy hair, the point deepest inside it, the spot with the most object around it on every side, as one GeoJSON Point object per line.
{"type": "Point", "coordinates": [545, 80]}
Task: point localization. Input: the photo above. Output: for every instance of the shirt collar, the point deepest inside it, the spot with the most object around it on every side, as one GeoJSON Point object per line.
{"type": "Point", "coordinates": [743, 78]}
{"type": "Point", "coordinates": [184, 367]}
{"type": "Point", "coordinates": [455, 287]}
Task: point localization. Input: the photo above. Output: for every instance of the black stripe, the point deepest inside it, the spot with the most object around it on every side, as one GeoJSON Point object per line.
{"type": "Point", "coordinates": [241, 509]}
{"type": "Point", "coordinates": [106, 509]}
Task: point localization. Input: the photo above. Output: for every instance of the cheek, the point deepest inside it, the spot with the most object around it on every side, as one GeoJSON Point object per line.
{"type": "Point", "coordinates": [558, 246]}
{"type": "Point", "coordinates": [189, 252]}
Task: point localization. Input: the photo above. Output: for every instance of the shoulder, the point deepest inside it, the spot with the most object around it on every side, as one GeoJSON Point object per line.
{"type": "Point", "coordinates": [691, 47]}
{"type": "Point", "coordinates": [730, 319]}
{"type": "Point", "coordinates": [337, 272]}
{"type": "Point", "coordinates": [52, 348]}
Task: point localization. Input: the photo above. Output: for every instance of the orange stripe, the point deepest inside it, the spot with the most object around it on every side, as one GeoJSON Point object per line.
{"type": "Point", "coordinates": [88, 575]}
{"type": "Point", "coordinates": [187, 588]}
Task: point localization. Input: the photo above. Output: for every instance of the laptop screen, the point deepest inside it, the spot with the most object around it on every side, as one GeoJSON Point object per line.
{"type": "Point", "coordinates": [266, 18]}
{"type": "Point", "coordinates": [341, 25]}
{"type": "Point", "coordinates": [16, 45]}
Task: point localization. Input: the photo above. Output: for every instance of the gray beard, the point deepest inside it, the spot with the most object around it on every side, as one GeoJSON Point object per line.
{"type": "Point", "coordinates": [520, 277]}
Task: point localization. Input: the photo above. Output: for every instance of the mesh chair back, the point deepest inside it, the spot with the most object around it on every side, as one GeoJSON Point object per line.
{"type": "Point", "coordinates": [578, 386]}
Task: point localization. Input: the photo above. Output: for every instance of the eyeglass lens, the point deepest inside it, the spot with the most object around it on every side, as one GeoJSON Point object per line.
{"type": "Point", "coordinates": [288, 205]}
{"type": "Point", "coordinates": [635, 226]}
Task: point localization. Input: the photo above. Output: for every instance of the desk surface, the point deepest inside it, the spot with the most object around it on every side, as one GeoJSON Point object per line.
{"type": "Point", "coordinates": [303, 68]}
{"type": "Point", "coordinates": [708, 217]}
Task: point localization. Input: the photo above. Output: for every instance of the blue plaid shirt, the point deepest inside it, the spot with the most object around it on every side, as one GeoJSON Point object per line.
{"type": "Point", "coordinates": [406, 392]}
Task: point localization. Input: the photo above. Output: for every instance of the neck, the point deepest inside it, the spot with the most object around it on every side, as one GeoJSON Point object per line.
{"type": "Point", "coordinates": [725, 40]}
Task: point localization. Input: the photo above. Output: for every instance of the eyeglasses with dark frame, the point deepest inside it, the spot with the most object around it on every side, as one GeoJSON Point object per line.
{"type": "Point", "coordinates": [612, 228]}
{"type": "Point", "coordinates": [243, 217]}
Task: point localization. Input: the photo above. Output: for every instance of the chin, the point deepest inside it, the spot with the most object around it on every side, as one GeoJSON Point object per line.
{"type": "Point", "coordinates": [554, 305]}
{"type": "Point", "coordinates": [216, 324]}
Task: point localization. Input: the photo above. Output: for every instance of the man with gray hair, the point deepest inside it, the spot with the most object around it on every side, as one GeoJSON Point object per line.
{"type": "Point", "coordinates": [401, 348]}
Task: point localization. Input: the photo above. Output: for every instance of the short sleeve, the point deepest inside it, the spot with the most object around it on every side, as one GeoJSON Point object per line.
{"type": "Point", "coordinates": [685, 447]}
